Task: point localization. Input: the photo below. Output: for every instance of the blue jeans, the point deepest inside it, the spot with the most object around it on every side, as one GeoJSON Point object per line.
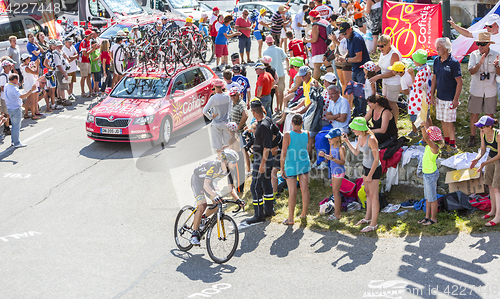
{"type": "Point", "coordinates": [359, 102]}
{"type": "Point", "coordinates": [430, 186]}
{"type": "Point", "coordinates": [266, 103]}
{"type": "Point", "coordinates": [16, 116]}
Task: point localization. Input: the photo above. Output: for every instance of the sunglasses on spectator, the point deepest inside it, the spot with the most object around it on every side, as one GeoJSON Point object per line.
{"type": "Point", "coordinates": [489, 26]}
{"type": "Point", "coordinates": [479, 44]}
{"type": "Point", "coordinates": [380, 46]}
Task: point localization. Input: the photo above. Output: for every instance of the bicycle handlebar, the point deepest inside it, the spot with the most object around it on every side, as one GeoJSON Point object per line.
{"type": "Point", "coordinates": [213, 206]}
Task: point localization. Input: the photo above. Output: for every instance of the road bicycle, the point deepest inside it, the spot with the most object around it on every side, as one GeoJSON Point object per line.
{"type": "Point", "coordinates": [220, 229]}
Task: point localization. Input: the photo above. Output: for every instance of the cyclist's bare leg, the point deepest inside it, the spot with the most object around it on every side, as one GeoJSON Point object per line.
{"type": "Point", "coordinates": [199, 212]}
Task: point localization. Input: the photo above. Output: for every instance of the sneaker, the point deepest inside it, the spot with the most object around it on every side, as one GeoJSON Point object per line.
{"type": "Point", "coordinates": [323, 165]}
{"type": "Point", "coordinates": [412, 134]}
{"type": "Point", "coordinates": [56, 107]}
{"type": "Point", "coordinates": [218, 69]}
{"type": "Point", "coordinates": [195, 239]}
{"type": "Point", "coordinates": [20, 145]}
{"type": "Point", "coordinates": [472, 141]}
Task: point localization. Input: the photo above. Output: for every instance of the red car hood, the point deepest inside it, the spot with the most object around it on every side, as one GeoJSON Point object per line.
{"type": "Point", "coordinates": [125, 108]}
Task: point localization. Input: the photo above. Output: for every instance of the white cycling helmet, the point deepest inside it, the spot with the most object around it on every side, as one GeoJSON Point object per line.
{"type": "Point", "coordinates": [229, 155]}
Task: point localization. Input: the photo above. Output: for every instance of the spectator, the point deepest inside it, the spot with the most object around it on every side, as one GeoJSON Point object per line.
{"type": "Point", "coordinates": [227, 75]}
{"type": "Point", "coordinates": [49, 64]}
{"type": "Point", "coordinates": [203, 24]}
{"type": "Point", "coordinates": [95, 67]}
{"type": "Point", "coordinates": [483, 66]}
{"type": "Point", "coordinates": [296, 46]}
{"type": "Point", "coordinates": [307, 20]}
{"type": "Point", "coordinates": [263, 87]}
{"type": "Point", "coordinates": [391, 84]}
{"type": "Point", "coordinates": [278, 56]}
{"type": "Point", "coordinates": [295, 163]}
{"type": "Point", "coordinates": [372, 170]}
{"type": "Point", "coordinates": [243, 82]}
{"type": "Point", "coordinates": [295, 64]}
{"type": "Point", "coordinates": [278, 23]}
{"type": "Point", "coordinates": [244, 25]}
{"type": "Point", "coordinates": [106, 66]}
{"type": "Point", "coordinates": [7, 67]}
{"type": "Point", "coordinates": [220, 103]}
{"type": "Point", "coordinates": [373, 12]}
{"type": "Point", "coordinates": [32, 47]}
{"type": "Point", "coordinates": [15, 54]}
{"type": "Point", "coordinates": [338, 111]}
{"type": "Point", "coordinates": [96, 31]}
{"type": "Point", "coordinates": [164, 23]}
{"type": "Point", "coordinates": [135, 34]}
{"type": "Point", "coordinates": [239, 116]}
{"type": "Point", "coordinates": [266, 60]}
{"type": "Point", "coordinates": [261, 187]}
{"type": "Point", "coordinates": [85, 50]}
{"type": "Point", "coordinates": [357, 56]}
{"type": "Point", "coordinates": [116, 76]}
{"type": "Point", "coordinates": [43, 46]}
{"type": "Point", "coordinates": [384, 125]}
{"type": "Point", "coordinates": [318, 41]}
{"type": "Point", "coordinates": [70, 54]}
{"type": "Point", "coordinates": [420, 89]}
{"type": "Point", "coordinates": [61, 68]}
{"type": "Point", "coordinates": [370, 88]}
{"type": "Point", "coordinates": [223, 35]}
{"type": "Point", "coordinates": [235, 60]}
{"type": "Point", "coordinates": [324, 10]}
{"type": "Point", "coordinates": [30, 73]}
{"type": "Point", "coordinates": [491, 166]}
{"type": "Point", "coordinates": [491, 25]}
{"type": "Point", "coordinates": [298, 23]}
{"type": "Point", "coordinates": [259, 27]}
{"type": "Point", "coordinates": [211, 23]}
{"type": "Point", "coordinates": [447, 81]}
{"type": "Point", "coordinates": [189, 22]}
{"type": "Point", "coordinates": [14, 99]}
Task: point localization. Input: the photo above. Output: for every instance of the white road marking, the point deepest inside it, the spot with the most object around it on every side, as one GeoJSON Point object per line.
{"type": "Point", "coordinates": [16, 175]}
{"type": "Point", "coordinates": [215, 289]}
{"type": "Point", "coordinates": [19, 236]}
{"type": "Point", "coordinates": [244, 225]}
{"type": "Point", "coordinates": [36, 135]}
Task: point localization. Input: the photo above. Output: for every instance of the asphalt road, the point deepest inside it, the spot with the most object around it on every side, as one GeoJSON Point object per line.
{"type": "Point", "coordinates": [80, 219]}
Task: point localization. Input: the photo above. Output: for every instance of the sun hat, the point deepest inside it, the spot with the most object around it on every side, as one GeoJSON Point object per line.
{"type": "Point", "coordinates": [189, 20]}
{"type": "Point", "coordinates": [260, 65]}
{"type": "Point", "coordinates": [269, 39]}
{"type": "Point", "coordinates": [358, 124]}
{"type": "Point", "coordinates": [485, 120]}
{"type": "Point", "coordinates": [126, 30]}
{"type": "Point", "coordinates": [333, 133]}
{"type": "Point", "coordinates": [266, 59]}
{"type": "Point", "coordinates": [234, 90]}
{"type": "Point", "coordinates": [303, 71]}
{"type": "Point", "coordinates": [314, 13]}
{"type": "Point", "coordinates": [232, 126]}
{"type": "Point", "coordinates": [262, 10]}
{"type": "Point", "coordinates": [397, 66]}
{"type": "Point", "coordinates": [6, 63]}
{"type": "Point", "coordinates": [330, 77]}
{"type": "Point", "coordinates": [369, 66]}
{"type": "Point", "coordinates": [343, 27]}
{"type": "Point", "coordinates": [484, 37]}
{"type": "Point", "coordinates": [492, 19]}
{"type": "Point", "coordinates": [434, 133]}
{"type": "Point", "coordinates": [219, 83]}
{"type": "Point", "coordinates": [420, 56]}
{"type": "Point", "coordinates": [297, 61]}
{"type": "Point", "coordinates": [25, 56]}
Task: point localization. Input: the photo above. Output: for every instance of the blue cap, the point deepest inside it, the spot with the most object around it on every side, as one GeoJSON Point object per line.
{"type": "Point", "coordinates": [334, 133]}
{"type": "Point", "coordinates": [303, 70]}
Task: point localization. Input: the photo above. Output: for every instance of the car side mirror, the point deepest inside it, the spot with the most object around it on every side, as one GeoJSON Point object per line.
{"type": "Point", "coordinates": [179, 93]}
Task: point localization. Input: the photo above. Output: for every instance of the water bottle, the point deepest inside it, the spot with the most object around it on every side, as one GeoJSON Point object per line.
{"type": "Point", "coordinates": [403, 213]}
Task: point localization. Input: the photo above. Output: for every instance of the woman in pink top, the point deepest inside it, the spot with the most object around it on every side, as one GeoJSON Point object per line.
{"type": "Point", "coordinates": [318, 41]}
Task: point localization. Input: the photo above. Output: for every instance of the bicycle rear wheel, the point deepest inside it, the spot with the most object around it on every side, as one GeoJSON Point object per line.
{"type": "Point", "coordinates": [170, 62]}
{"type": "Point", "coordinates": [221, 249]}
{"type": "Point", "coordinates": [206, 52]}
{"type": "Point", "coordinates": [186, 56]}
{"type": "Point", "coordinates": [119, 60]}
{"type": "Point", "coordinates": [183, 228]}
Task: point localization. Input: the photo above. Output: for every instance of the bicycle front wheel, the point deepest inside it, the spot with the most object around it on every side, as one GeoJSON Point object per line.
{"type": "Point", "coordinates": [223, 240]}
{"type": "Point", "coordinates": [183, 228]}
{"type": "Point", "coordinates": [119, 60]}
{"type": "Point", "coordinates": [205, 50]}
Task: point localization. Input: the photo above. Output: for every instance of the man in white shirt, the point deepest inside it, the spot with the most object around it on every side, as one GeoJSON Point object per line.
{"type": "Point", "coordinates": [71, 55]}
{"type": "Point", "coordinates": [119, 66]}
{"type": "Point", "coordinates": [324, 11]}
{"type": "Point", "coordinates": [298, 23]}
{"type": "Point", "coordinates": [7, 67]}
{"type": "Point", "coordinates": [60, 72]}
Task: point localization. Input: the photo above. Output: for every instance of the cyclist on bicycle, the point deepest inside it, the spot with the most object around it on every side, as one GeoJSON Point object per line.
{"type": "Point", "coordinates": [202, 182]}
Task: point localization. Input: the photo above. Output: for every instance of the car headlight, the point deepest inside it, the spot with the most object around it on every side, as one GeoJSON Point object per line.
{"type": "Point", "coordinates": [145, 120]}
{"type": "Point", "coordinates": [90, 118]}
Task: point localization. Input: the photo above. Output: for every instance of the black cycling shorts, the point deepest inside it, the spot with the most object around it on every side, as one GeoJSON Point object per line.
{"type": "Point", "coordinates": [198, 190]}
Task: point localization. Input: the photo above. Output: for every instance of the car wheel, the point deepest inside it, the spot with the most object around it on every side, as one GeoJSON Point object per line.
{"type": "Point", "coordinates": [166, 131]}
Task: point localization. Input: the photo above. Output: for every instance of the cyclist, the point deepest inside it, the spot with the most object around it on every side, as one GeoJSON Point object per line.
{"type": "Point", "coordinates": [202, 183]}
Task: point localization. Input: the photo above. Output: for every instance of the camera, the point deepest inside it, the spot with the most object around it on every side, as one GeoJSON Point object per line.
{"type": "Point", "coordinates": [484, 76]}
{"type": "Point", "coordinates": [249, 139]}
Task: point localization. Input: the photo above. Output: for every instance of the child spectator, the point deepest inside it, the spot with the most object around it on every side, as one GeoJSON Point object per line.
{"type": "Point", "coordinates": [419, 88]}
{"type": "Point", "coordinates": [242, 81]}
{"type": "Point", "coordinates": [295, 162]}
{"type": "Point", "coordinates": [106, 66]}
{"type": "Point", "coordinates": [369, 69]}
{"type": "Point", "coordinates": [337, 169]}
{"type": "Point", "coordinates": [434, 139]}
{"type": "Point", "coordinates": [95, 67]}
{"type": "Point", "coordinates": [296, 46]}
{"type": "Point", "coordinates": [295, 64]}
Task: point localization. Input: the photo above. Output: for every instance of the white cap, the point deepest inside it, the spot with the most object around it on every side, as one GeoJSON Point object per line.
{"type": "Point", "coordinates": [330, 77]}
{"type": "Point", "coordinates": [494, 18]}
{"type": "Point", "coordinates": [25, 56]}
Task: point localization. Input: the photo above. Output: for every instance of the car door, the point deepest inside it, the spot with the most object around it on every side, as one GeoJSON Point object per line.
{"type": "Point", "coordinates": [197, 90]}
{"type": "Point", "coordinates": [178, 98]}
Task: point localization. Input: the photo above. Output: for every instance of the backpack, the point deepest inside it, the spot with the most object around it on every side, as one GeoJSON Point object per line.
{"type": "Point", "coordinates": [481, 202]}
{"type": "Point", "coordinates": [329, 30]}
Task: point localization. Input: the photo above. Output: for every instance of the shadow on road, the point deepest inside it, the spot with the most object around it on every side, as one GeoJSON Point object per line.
{"type": "Point", "coordinates": [200, 267]}
{"type": "Point", "coordinates": [288, 242]}
{"type": "Point", "coordinates": [490, 245]}
{"type": "Point", "coordinates": [253, 235]}
{"type": "Point", "coordinates": [434, 273]}
{"type": "Point", "coordinates": [358, 249]}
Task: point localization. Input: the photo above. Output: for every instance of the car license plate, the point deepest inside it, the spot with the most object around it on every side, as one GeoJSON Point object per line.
{"type": "Point", "coordinates": [111, 131]}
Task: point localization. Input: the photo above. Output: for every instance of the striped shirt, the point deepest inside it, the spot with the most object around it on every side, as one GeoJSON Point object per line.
{"type": "Point", "coordinates": [277, 23]}
{"type": "Point", "coordinates": [237, 113]}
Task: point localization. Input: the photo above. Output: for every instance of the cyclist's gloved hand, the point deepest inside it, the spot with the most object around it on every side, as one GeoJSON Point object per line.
{"type": "Point", "coordinates": [241, 203]}
{"type": "Point", "coordinates": [218, 199]}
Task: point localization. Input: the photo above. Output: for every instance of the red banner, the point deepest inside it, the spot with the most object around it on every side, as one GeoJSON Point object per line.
{"type": "Point", "coordinates": [412, 26]}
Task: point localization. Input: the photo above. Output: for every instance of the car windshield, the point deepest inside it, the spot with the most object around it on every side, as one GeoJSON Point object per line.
{"type": "Point", "coordinates": [274, 8]}
{"type": "Point", "coordinates": [111, 31]}
{"type": "Point", "coordinates": [141, 88]}
{"type": "Point", "coordinates": [184, 3]}
{"type": "Point", "coordinates": [129, 7]}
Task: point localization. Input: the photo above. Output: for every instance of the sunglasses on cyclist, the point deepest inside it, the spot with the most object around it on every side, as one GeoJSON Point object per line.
{"type": "Point", "coordinates": [479, 44]}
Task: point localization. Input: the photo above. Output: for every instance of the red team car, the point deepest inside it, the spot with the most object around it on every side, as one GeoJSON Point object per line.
{"type": "Point", "coordinates": [150, 106]}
